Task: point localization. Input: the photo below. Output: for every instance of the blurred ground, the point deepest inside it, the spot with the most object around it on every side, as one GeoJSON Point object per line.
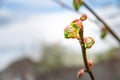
{"type": "Point", "coordinates": [58, 63]}
{"type": "Point", "coordinates": [107, 69]}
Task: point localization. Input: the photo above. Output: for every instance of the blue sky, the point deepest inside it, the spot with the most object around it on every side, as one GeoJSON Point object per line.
{"type": "Point", "coordinates": [49, 5]}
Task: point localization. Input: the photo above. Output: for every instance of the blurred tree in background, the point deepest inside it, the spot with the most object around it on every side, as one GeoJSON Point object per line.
{"type": "Point", "coordinates": [52, 58]}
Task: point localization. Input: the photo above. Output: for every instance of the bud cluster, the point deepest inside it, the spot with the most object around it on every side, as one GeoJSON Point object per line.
{"type": "Point", "coordinates": [75, 31]}
{"type": "Point", "coordinates": [72, 30]}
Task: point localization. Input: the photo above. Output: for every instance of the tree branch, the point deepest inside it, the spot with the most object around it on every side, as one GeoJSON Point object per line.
{"type": "Point", "coordinates": [105, 24]}
{"type": "Point", "coordinates": [81, 41]}
{"type": "Point", "coordinates": [71, 9]}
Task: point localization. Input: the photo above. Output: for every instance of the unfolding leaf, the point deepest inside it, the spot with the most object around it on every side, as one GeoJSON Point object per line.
{"type": "Point", "coordinates": [89, 41]}
{"type": "Point", "coordinates": [77, 4]}
{"type": "Point", "coordinates": [71, 31]}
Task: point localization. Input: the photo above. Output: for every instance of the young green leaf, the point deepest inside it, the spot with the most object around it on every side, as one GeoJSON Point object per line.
{"type": "Point", "coordinates": [77, 4]}
{"type": "Point", "coordinates": [71, 31]}
{"type": "Point", "coordinates": [104, 32]}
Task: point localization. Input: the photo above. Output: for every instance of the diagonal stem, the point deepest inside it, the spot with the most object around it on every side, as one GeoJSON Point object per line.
{"type": "Point", "coordinates": [81, 41]}
{"type": "Point", "coordinates": [62, 4]}
{"type": "Point", "coordinates": [105, 24]}
{"type": "Point", "coordinates": [102, 21]}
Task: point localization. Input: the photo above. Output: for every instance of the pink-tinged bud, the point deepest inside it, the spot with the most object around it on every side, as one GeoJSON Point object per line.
{"type": "Point", "coordinates": [66, 28]}
{"type": "Point", "coordinates": [104, 29]}
{"type": "Point", "coordinates": [77, 1]}
{"type": "Point", "coordinates": [90, 63]}
{"type": "Point", "coordinates": [78, 23]}
{"type": "Point", "coordinates": [83, 17]}
{"type": "Point", "coordinates": [89, 42]}
{"type": "Point", "coordinates": [80, 73]}
{"type": "Point", "coordinates": [76, 20]}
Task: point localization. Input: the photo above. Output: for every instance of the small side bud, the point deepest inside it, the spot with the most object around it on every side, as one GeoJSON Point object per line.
{"type": "Point", "coordinates": [83, 17]}
{"type": "Point", "coordinates": [90, 63]}
{"type": "Point", "coordinates": [80, 73]}
{"type": "Point", "coordinates": [89, 41]}
{"type": "Point", "coordinates": [104, 32]}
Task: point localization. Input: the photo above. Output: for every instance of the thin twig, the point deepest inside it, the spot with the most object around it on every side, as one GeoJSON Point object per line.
{"type": "Point", "coordinates": [96, 22]}
{"type": "Point", "coordinates": [71, 9]}
{"type": "Point", "coordinates": [105, 24]}
{"type": "Point", "coordinates": [81, 41]}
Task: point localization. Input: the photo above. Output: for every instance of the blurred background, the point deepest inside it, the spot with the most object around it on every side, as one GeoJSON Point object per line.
{"type": "Point", "coordinates": [33, 47]}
